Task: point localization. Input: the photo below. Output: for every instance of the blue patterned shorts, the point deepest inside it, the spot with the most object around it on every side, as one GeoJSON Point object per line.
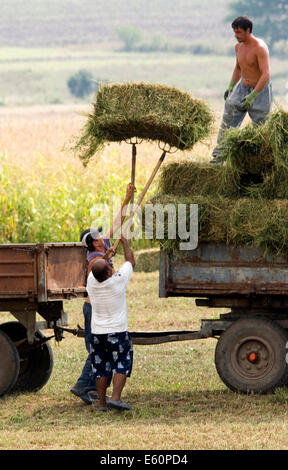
{"type": "Point", "coordinates": [111, 352]}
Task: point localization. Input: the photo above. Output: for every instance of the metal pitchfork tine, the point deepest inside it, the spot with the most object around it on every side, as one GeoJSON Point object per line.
{"type": "Point", "coordinates": [128, 222]}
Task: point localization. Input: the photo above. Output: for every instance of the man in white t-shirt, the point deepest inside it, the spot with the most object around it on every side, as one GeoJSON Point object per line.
{"type": "Point", "coordinates": [111, 345]}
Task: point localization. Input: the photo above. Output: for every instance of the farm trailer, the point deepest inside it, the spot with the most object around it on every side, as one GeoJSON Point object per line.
{"type": "Point", "coordinates": [250, 355]}
{"type": "Point", "coordinates": [35, 278]}
{"type": "Point", "coordinates": [251, 351]}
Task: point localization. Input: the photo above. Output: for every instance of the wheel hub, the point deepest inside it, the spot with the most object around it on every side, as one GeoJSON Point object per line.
{"type": "Point", "coordinates": [253, 357]}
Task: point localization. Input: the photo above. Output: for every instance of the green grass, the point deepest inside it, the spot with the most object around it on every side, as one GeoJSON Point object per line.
{"type": "Point", "coordinates": [39, 75]}
{"type": "Point", "coordinates": [69, 22]}
{"type": "Point", "coordinates": [47, 43]}
{"type": "Point", "coordinates": [178, 400]}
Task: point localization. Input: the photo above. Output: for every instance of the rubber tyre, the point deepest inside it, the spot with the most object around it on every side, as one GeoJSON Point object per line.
{"type": "Point", "coordinates": [9, 364]}
{"type": "Point", "coordinates": [36, 367]}
{"type": "Point", "coordinates": [247, 338]}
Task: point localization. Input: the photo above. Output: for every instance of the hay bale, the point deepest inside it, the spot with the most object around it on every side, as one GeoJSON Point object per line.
{"type": "Point", "coordinates": [247, 150]}
{"type": "Point", "coordinates": [256, 149]}
{"type": "Point", "coordinates": [259, 222]}
{"type": "Point", "coordinates": [187, 178]}
{"type": "Point", "coordinates": [244, 202]}
{"type": "Point", "coordinates": [256, 158]}
{"type": "Point", "coordinates": [147, 111]}
{"type": "Point", "coordinates": [273, 185]}
{"type": "Point", "coordinates": [147, 261]}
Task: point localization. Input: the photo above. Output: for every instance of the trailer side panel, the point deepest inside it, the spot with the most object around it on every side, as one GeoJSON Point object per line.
{"type": "Point", "coordinates": [18, 271]}
{"type": "Point", "coordinates": [222, 270]}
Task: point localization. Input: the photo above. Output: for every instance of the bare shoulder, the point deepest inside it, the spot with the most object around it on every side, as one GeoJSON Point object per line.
{"type": "Point", "coordinates": [261, 47]}
{"type": "Point", "coordinates": [237, 50]}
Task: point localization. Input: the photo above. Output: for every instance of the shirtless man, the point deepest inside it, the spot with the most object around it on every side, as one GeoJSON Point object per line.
{"type": "Point", "coordinates": [250, 89]}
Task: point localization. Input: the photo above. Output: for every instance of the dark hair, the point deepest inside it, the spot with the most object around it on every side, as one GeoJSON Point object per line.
{"type": "Point", "coordinates": [93, 235]}
{"type": "Point", "coordinates": [243, 22]}
{"type": "Point", "coordinates": [89, 239]}
{"type": "Point", "coordinates": [100, 275]}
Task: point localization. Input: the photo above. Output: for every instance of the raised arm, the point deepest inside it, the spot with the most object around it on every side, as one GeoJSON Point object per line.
{"type": "Point", "coordinates": [128, 253]}
{"type": "Point", "coordinates": [117, 222]}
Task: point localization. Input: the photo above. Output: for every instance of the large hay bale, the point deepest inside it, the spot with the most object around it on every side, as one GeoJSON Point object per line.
{"type": "Point", "coordinates": [272, 185]}
{"type": "Point", "coordinates": [256, 149]}
{"type": "Point", "coordinates": [256, 158]}
{"type": "Point", "coordinates": [187, 178]}
{"type": "Point", "coordinates": [245, 201]}
{"type": "Point", "coordinates": [238, 222]}
{"type": "Point", "coordinates": [147, 111]}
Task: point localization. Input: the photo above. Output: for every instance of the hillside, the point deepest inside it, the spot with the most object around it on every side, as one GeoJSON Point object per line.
{"type": "Point", "coordinates": [43, 43]}
{"type": "Point", "coordinates": [42, 23]}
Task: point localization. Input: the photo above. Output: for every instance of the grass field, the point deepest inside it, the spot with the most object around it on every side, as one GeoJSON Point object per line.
{"type": "Point", "coordinates": [48, 44]}
{"type": "Point", "coordinates": [67, 22]}
{"type": "Point", "coordinates": [46, 195]}
{"type": "Point", "coordinates": [178, 399]}
{"type": "Point", "coordinates": [38, 76]}
{"type": "Point", "coordinates": [179, 402]}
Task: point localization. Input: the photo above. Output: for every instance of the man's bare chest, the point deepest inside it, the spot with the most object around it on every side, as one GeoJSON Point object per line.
{"type": "Point", "coordinates": [247, 58]}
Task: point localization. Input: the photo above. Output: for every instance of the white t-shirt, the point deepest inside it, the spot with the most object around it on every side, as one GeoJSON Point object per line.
{"type": "Point", "coordinates": [108, 301]}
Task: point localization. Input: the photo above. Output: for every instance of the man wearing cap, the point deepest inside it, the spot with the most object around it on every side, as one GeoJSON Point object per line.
{"type": "Point", "coordinates": [111, 345]}
{"type": "Point", "coordinates": [98, 247]}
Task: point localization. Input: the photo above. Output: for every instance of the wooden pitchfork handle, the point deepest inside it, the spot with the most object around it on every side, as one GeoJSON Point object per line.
{"type": "Point", "coordinates": [128, 222]}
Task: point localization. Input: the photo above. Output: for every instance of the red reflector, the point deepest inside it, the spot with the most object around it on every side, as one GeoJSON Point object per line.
{"type": "Point", "coordinates": [252, 357]}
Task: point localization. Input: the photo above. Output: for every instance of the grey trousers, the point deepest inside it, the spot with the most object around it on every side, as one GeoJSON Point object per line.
{"type": "Point", "coordinates": [234, 114]}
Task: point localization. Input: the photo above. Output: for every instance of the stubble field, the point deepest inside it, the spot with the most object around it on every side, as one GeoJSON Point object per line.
{"type": "Point", "coordinates": [178, 400]}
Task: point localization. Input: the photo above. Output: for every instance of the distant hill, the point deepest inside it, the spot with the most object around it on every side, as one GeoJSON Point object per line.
{"type": "Point", "coordinates": [41, 23]}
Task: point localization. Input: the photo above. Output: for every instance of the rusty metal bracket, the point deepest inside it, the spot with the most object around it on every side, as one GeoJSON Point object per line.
{"type": "Point", "coordinates": [24, 347]}
{"type": "Point", "coordinates": [74, 331]}
{"type": "Point", "coordinates": [151, 337]}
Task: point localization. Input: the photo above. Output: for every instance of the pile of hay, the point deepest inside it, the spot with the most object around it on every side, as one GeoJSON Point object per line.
{"type": "Point", "coordinates": [257, 148]}
{"type": "Point", "coordinates": [237, 222]}
{"type": "Point", "coordinates": [147, 111]}
{"type": "Point", "coordinates": [187, 178]}
{"type": "Point", "coordinates": [245, 201]}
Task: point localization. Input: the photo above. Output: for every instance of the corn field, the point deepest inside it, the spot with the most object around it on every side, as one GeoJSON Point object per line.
{"type": "Point", "coordinates": [46, 195]}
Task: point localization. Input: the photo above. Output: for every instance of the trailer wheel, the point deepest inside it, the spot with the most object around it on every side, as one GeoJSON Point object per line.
{"type": "Point", "coordinates": [36, 363]}
{"type": "Point", "coordinates": [9, 364]}
{"type": "Point", "coordinates": [250, 356]}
